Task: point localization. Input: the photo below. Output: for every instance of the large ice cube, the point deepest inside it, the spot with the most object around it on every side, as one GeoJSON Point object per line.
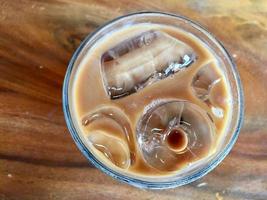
{"type": "Point", "coordinates": [142, 60]}
{"type": "Point", "coordinates": [173, 133]}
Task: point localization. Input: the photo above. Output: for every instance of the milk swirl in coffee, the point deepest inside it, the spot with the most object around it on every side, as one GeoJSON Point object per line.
{"type": "Point", "coordinates": [151, 100]}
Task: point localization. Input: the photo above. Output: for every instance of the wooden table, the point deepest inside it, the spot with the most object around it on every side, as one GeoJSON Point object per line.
{"type": "Point", "coordinates": [38, 158]}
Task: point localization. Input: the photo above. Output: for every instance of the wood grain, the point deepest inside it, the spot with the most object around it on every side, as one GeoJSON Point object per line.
{"type": "Point", "coordinates": [39, 160]}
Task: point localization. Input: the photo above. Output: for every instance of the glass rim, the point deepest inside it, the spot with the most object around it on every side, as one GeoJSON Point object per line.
{"type": "Point", "coordinates": [135, 181]}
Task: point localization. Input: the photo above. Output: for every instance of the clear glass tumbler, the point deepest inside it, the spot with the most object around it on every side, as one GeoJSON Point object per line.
{"type": "Point", "coordinates": [195, 171]}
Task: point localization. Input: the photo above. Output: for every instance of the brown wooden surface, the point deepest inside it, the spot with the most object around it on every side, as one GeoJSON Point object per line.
{"type": "Point", "coordinates": [38, 158]}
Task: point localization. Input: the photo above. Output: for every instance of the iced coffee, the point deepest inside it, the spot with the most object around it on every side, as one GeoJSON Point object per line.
{"type": "Point", "coordinates": [151, 100]}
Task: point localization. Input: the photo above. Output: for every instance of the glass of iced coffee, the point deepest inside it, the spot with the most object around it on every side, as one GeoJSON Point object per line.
{"type": "Point", "coordinates": [153, 99]}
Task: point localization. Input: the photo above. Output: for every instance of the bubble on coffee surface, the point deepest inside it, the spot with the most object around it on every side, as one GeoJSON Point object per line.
{"type": "Point", "coordinates": [173, 132]}
{"type": "Point", "coordinates": [116, 116]}
{"type": "Point", "coordinates": [142, 60]}
{"type": "Point", "coordinates": [206, 84]}
{"type": "Point", "coordinates": [114, 149]}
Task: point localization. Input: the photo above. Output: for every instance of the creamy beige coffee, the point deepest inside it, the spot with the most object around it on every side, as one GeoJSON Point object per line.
{"type": "Point", "coordinates": [151, 100]}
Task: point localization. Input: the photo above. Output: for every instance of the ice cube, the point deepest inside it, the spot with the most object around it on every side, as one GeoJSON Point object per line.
{"type": "Point", "coordinates": [207, 84]}
{"type": "Point", "coordinates": [204, 80]}
{"type": "Point", "coordinates": [142, 60]}
{"type": "Point", "coordinates": [116, 117]}
{"type": "Point", "coordinates": [172, 133]}
{"type": "Point", "coordinates": [114, 149]}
